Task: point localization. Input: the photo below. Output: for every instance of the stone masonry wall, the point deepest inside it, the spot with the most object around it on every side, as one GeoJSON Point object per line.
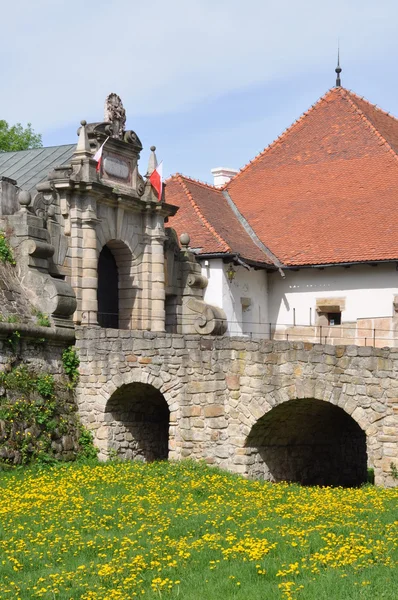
{"type": "Point", "coordinates": [217, 389]}
{"type": "Point", "coordinates": [37, 351]}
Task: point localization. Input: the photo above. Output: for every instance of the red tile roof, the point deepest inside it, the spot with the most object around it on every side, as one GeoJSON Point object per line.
{"type": "Point", "coordinates": [325, 192]}
{"type": "Point", "coordinates": [204, 213]}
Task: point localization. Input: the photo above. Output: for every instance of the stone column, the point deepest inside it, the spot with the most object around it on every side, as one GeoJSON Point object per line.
{"type": "Point", "coordinates": [89, 269]}
{"type": "Point", "coordinates": [76, 253]}
{"type": "Point", "coordinates": [158, 279]}
{"type": "Point", "coordinates": [145, 314]}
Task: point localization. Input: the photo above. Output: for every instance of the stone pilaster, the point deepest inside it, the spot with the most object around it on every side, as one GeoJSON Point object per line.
{"type": "Point", "coordinates": [89, 268]}
{"type": "Point", "coordinates": [146, 272]}
{"type": "Point", "coordinates": [76, 253]}
{"type": "Point", "coordinates": [158, 278]}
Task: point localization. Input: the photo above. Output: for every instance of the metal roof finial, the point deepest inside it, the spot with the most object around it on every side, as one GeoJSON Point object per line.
{"type": "Point", "coordinates": [338, 68]}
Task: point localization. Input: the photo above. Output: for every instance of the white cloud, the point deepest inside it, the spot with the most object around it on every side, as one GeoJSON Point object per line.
{"type": "Point", "coordinates": [61, 58]}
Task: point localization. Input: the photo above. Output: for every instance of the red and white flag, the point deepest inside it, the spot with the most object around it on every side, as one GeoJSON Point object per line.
{"type": "Point", "coordinates": [157, 181]}
{"type": "Point", "coordinates": [98, 155]}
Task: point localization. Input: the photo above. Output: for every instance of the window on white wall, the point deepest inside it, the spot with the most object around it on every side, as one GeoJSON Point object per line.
{"type": "Point", "coordinates": [334, 318]}
{"type": "Point", "coordinates": [329, 311]}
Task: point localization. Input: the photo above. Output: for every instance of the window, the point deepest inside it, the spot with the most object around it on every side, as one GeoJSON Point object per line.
{"type": "Point", "coordinates": [329, 311]}
{"type": "Point", "coordinates": [334, 318]}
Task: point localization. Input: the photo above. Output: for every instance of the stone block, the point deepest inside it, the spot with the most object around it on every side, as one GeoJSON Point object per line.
{"type": "Point", "coordinates": [191, 411]}
{"type": "Point", "coordinates": [102, 433]}
{"type": "Point", "coordinates": [213, 410]}
{"type": "Point", "coordinates": [222, 452]}
{"type": "Point", "coordinates": [352, 350]}
{"type": "Point", "coordinates": [217, 423]}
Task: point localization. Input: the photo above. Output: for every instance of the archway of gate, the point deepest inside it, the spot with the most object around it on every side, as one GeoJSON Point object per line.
{"type": "Point", "coordinates": [116, 292]}
{"type": "Point", "coordinates": [137, 417]}
{"type": "Point", "coordinates": [308, 441]}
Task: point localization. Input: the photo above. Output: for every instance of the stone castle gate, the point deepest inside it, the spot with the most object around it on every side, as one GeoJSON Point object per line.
{"type": "Point", "coordinates": [315, 414]}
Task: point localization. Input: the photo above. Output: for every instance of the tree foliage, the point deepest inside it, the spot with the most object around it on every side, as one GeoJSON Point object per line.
{"type": "Point", "coordinates": [16, 137]}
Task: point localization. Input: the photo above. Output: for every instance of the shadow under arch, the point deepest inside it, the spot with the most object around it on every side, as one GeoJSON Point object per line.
{"type": "Point", "coordinates": [115, 292]}
{"type": "Point", "coordinates": [308, 441]}
{"type": "Point", "coordinates": [137, 417]}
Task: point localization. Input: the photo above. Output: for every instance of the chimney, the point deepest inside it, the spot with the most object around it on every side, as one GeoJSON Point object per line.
{"type": "Point", "coordinates": [222, 175]}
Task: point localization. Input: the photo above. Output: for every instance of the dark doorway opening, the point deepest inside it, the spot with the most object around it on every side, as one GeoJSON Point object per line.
{"type": "Point", "coordinates": [108, 290]}
{"type": "Point", "coordinates": [138, 419]}
{"type": "Point", "coordinates": [309, 442]}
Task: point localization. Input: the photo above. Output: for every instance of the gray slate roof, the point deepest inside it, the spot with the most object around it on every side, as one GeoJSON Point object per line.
{"type": "Point", "coordinates": [30, 167]}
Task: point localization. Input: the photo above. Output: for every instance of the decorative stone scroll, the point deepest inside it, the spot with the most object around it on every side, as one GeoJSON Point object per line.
{"type": "Point", "coordinates": [205, 319]}
{"type": "Point", "coordinates": [45, 201]}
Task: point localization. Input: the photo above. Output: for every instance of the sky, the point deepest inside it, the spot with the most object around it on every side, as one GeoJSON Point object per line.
{"type": "Point", "coordinates": [210, 83]}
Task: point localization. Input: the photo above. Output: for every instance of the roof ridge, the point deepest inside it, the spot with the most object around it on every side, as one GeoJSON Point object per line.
{"type": "Point", "coordinates": [200, 214]}
{"type": "Point", "coordinates": [280, 138]}
{"type": "Point", "coordinates": [367, 122]}
{"type": "Point", "coordinates": [250, 231]}
{"type": "Point", "coordinates": [198, 181]}
{"type": "Point", "coordinates": [375, 106]}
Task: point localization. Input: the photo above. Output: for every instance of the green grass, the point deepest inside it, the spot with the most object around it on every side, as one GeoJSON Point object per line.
{"type": "Point", "coordinates": [168, 530]}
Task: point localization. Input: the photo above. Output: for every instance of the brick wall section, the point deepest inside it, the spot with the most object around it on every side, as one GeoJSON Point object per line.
{"type": "Point", "coordinates": [217, 389]}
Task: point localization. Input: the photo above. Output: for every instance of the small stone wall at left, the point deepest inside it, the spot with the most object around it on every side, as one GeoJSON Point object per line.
{"type": "Point", "coordinates": [38, 413]}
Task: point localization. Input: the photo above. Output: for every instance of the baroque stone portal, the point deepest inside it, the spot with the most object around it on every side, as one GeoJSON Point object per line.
{"type": "Point", "coordinates": [91, 242]}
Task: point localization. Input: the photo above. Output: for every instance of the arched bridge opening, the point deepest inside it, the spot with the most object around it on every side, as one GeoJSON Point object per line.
{"type": "Point", "coordinates": [310, 442]}
{"type": "Point", "coordinates": [137, 417]}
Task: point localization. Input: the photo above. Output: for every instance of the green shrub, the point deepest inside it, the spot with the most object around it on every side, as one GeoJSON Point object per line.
{"type": "Point", "coordinates": [13, 340]}
{"type": "Point", "coordinates": [18, 379]}
{"type": "Point", "coordinates": [28, 425]}
{"type": "Point", "coordinates": [71, 362]}
{"type": "Point", "coordinates": [35, 411]}
{"type": "Point", "coordinates": [86, 443]}
{"type": "Point", "coordinates": [45, 385]}
{"type": "Point", "coordinates": [12, 319]}
{"type": "Point", "coordinates": [6, 255]}
{"type": "Point", "coordinates": [42, 319]}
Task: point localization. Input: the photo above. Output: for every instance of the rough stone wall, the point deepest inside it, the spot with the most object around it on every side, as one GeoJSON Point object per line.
{"type": "Point", "coordinates": [30, 349]}
{"type": "Point", "coordinates": [217, 389]}
{"type": "Point", "coordinates": [13, 302]}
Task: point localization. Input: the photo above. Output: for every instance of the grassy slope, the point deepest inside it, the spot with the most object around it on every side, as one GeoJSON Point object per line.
{"type": "Point", "coordinates": [125, 530]}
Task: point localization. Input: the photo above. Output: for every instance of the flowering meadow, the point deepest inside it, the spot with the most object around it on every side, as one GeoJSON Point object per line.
{"type": "Point", "coordinates": [168, 530]}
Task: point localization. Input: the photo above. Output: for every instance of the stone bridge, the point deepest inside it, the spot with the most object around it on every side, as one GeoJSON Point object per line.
{"type": "Point", "coordinates": [311, 413]}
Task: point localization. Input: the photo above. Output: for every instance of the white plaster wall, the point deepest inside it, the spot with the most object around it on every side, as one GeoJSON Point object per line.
{"type": "Point", "coordinates": [244, 300]}
{"type": "Point", "coordinates": [213, 270]}
{"type": "Point", "coordinates": [368, 291]}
